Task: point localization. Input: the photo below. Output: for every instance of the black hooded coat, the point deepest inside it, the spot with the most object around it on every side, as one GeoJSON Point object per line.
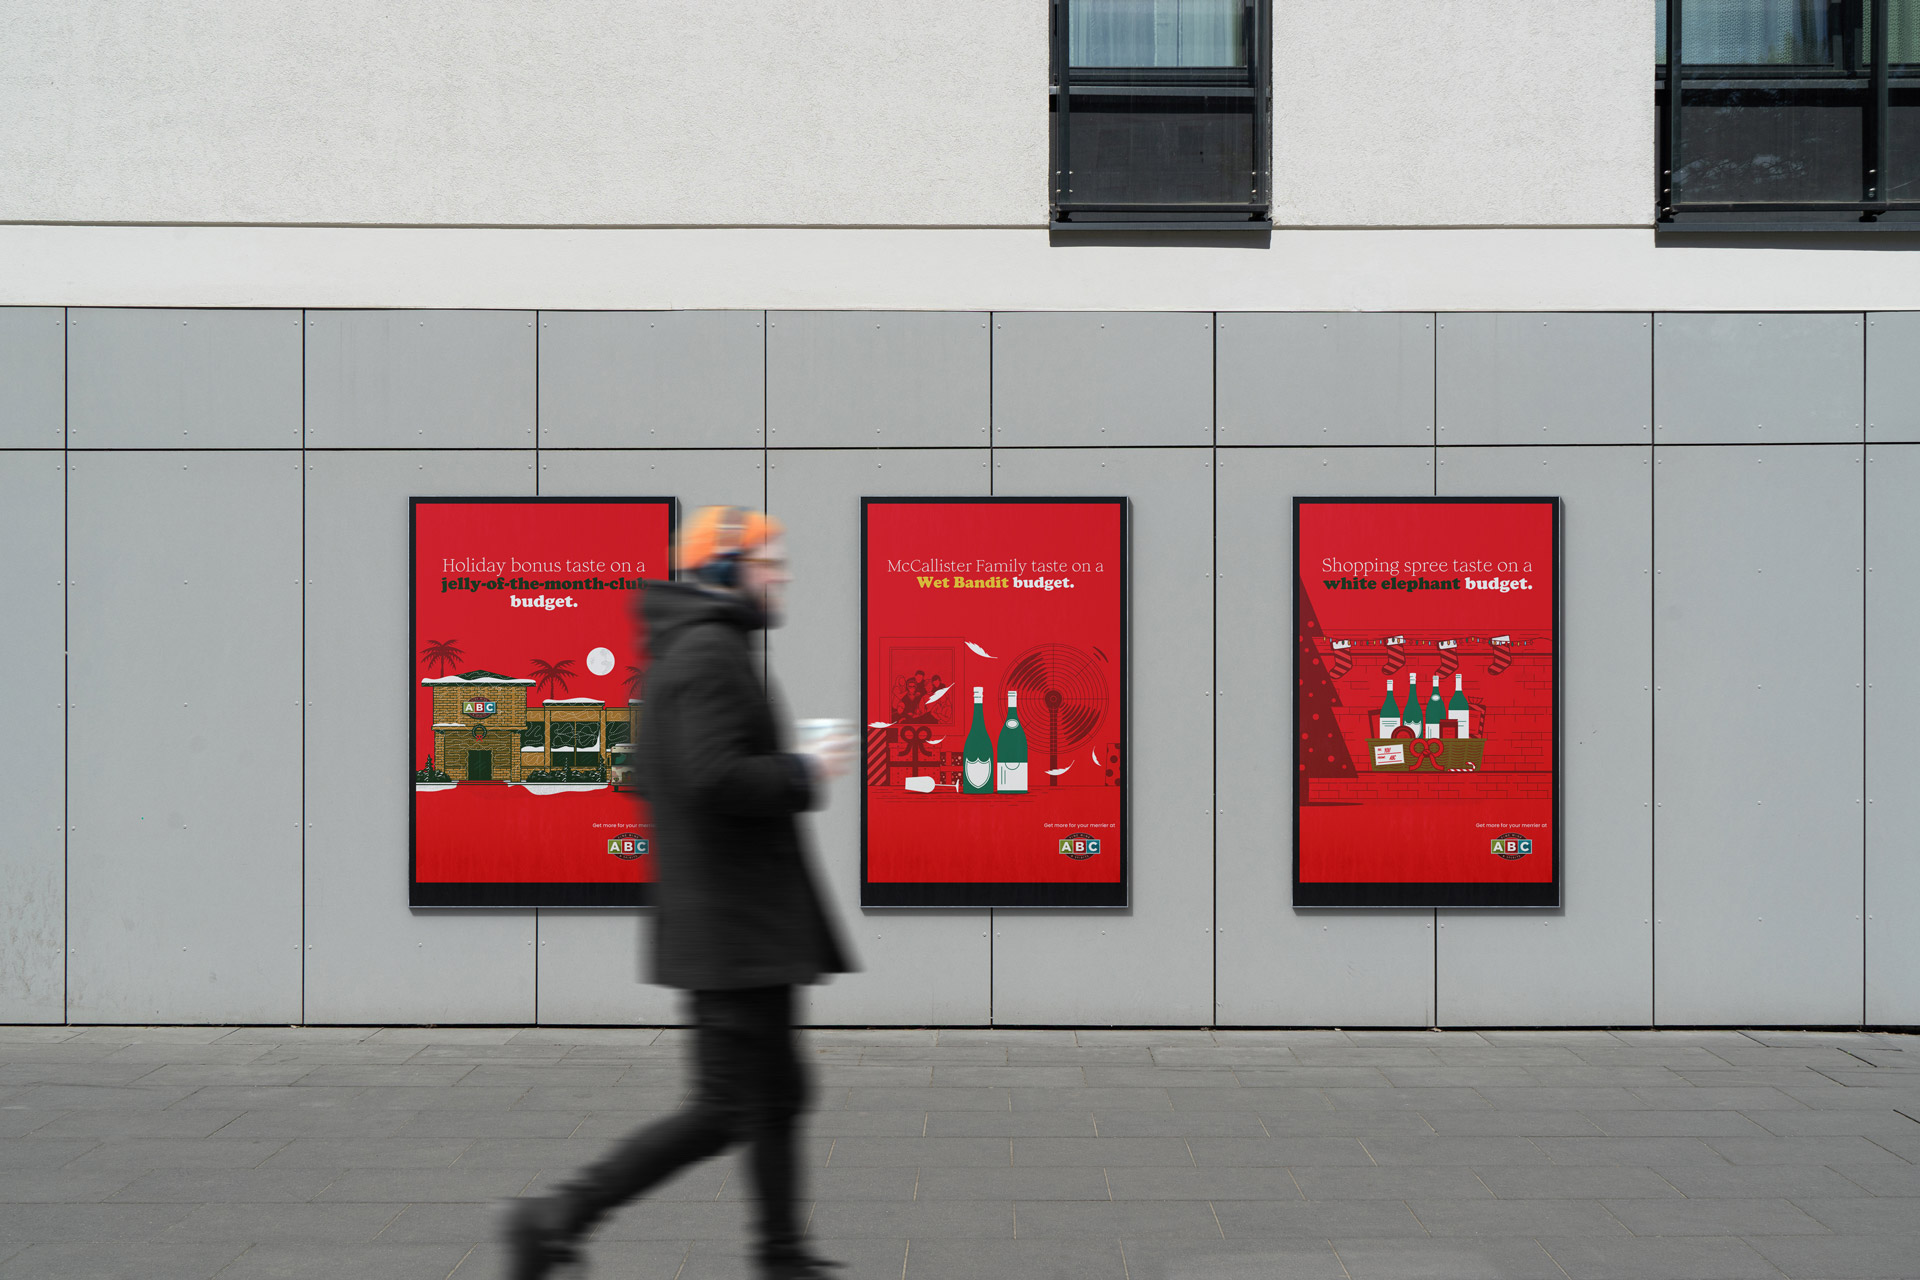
{"type": "Point", "coordinates": [736, 901]}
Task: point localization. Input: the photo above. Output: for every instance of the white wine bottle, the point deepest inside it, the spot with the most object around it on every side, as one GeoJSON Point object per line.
{"type": "Point", "coordinates": [1457, 710]}
{"type": "Point", "coordinates": [1435, 712]}
{"type": "Point", "coordinates": [1389, 714]}
{"type": "Point", "coordinates": [1012, 753]}
{"type": "Point", "coordinates": [976, 758]}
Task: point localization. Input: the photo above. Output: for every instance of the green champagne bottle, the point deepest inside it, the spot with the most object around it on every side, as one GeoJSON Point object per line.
{"type": "Point", "coordinates": [1457, 710]}
{"type": "Point", "coordinates": [1389, 714]}
{"type": "Point", "coordinates": [1435, 712]}
{"type": "Point", "coordinates": [976, 758]}
{"type": "Point", "coordinates": [1411, 716]}
{"type": "Point", "coordinates": [1012, 773]}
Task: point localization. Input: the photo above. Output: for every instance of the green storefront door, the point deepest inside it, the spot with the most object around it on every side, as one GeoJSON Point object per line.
{"type": "Point", "coordinates": [479, 766]}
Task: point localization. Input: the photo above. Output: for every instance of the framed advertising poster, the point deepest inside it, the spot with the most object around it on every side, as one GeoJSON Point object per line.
{"type": "Point", "coordinates": [1427, 702]}
{"type": "Point", "coordinates": [994, 690]}
{"type": "Point", "coordinates": [527, 678]}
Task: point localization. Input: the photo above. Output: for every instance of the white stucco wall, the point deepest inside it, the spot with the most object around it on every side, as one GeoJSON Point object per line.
{"type": "Point", "coordinates": [1463, 113]}
{"type": "Point", "coordinates": [841, 113]}
{"type": "Point", "coordinates": [515, 112]}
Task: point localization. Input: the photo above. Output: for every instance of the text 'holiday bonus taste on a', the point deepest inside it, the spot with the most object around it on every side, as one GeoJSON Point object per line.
{"type": "Point", "coordinates": [1426, 711]}
{"type": "Point", "coordinates": [529, 683]}
{"type": "Point", "coordinates": [994, 693]}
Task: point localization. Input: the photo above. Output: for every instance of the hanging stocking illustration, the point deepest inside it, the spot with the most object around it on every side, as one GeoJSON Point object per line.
{"type": "Point", "coordinates": [1502, 655]}
{"type": "Point", "coordinates": [1396, 655]}
{"type": "Point", "coordinates": [1341, 661]}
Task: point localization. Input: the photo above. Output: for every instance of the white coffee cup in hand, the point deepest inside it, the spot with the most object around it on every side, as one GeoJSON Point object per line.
{"type": "Point", "coordinates": [828, 745]}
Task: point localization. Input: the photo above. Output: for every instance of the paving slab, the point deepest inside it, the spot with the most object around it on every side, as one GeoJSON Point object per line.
{"type": "Point", "coordinates": [1204, 1155]}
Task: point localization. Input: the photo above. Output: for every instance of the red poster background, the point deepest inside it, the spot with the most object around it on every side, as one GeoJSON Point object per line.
{"type": "Point", "coordinates": [505, 833]}
{"type": "Point", "coordinates": [1359, 825]}
{"type": "Point", "coordinates": [921, 638]}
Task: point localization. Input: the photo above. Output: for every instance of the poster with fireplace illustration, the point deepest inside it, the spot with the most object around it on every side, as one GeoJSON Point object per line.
{"type": "Point", "coordinates": [994, 695]}
{"type": "Point", "coordinates": [1426, 712]}
{"type": "Point", "coordinates": [527, 680]}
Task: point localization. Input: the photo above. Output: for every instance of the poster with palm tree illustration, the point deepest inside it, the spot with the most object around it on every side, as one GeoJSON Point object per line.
{"type": "Point", "coordinates": [527, 671]}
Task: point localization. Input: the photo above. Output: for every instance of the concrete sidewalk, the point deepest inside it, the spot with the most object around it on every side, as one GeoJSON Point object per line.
{"type": "Point", "coordinates": [364, 1153]}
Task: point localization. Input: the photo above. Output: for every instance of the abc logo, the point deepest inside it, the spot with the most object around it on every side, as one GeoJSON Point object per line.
{"type": "Point", "coordinates": [1512, 846]}
{"type": "Point", "coordinates": [627, 847]}
{"type": "Point", "coordinates": [1078, 846]}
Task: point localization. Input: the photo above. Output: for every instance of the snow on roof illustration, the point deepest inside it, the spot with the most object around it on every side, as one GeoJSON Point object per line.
{"type": "Point", "coordinates": [475, 677]}
{"type": "Point", "coordinates": [573, 702]}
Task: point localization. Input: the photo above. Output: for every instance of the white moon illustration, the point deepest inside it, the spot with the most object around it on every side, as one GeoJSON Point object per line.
{"type": "Point", "coordinates": [600, 661]}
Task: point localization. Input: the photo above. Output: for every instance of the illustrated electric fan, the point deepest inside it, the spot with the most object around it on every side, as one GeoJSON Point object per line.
{"type": "Point", "coordinates": [1063, 697]}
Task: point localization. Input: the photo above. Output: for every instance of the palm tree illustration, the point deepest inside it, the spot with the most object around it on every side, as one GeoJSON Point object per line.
{"type": "Point", "coordinates": [442, 654]}
{"type": "Point", "coordinates": [551, 675]}
{"type": "Point", "coordinates": [635, 678]}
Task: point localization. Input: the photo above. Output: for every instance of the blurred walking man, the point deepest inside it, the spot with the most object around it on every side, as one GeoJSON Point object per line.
{"type": "Point", "coordinates": [740, 922]}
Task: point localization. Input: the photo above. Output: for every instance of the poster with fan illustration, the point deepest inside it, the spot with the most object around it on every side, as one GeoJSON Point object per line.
{"type": "Point", "coordinates": [994, 695]}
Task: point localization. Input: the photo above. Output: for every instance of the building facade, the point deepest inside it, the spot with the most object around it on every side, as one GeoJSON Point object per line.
{"type": "Point", "coordinates": [268, 272]}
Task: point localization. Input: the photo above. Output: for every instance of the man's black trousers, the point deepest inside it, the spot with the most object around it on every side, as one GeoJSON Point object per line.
{"type": "Point", "coordinates": [750, 1088]}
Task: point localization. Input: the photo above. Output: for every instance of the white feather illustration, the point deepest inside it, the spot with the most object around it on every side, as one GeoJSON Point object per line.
{"type": "Point", "coordinates": [937, 695]}
{"type": "Point", "coordinates": [1057, 772]}
{"type": "Point", "coordinates": [977, 649]}
{"type": "Point", "coordinates": [879, 724]}
{"type": "Point", "coordinates": [1096, 758]}
{"type": "Point", "coordinates": [934, 742]}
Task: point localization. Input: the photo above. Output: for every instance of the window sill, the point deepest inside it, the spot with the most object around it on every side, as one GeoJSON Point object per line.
{"type": "Point", "coordinates": [1776, 222]}
{"type": "Point", "coordinates": [1209, 225]}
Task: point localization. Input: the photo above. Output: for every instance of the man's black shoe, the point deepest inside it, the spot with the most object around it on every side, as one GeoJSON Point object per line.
{"type": "Point", "coordinates": [800, 1265]}
{"type": "Point", "coordinates": [537, 1244]}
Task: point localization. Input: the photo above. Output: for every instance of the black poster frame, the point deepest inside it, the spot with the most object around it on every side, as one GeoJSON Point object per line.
{"type": "Point", "coordinates": [1117, 894]}
{"type": "Point", "coordinates": [479, 893]}
{"type": "Point", "coordinates": [1374, 894]}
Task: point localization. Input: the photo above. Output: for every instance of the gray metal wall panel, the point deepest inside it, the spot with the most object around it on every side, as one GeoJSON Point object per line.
{"type": "Point", "coordinates": [1318, 378]}
{"type": "Point", "coordinates": [1591, 963]}
{"type": "Point", "coordinates": [371, 958]}
{"type": "Point", "coordinates": [1153, 963]}
{"type": "Point", "coordinates": [1893, 375]}
{"type": "Point", "coordinates": [661, 379]}
{"type": "Point", "coordinates": [144, 378]}
{"type": "Point", "coordinates": [33, 377]}
{"type": "Point", "coordinates": [1539, 379]}
{"type": "Point", "coordinates": [183, 739]}
{"type": "Point", "coordinates": [1893, 801]}
{"type": "Point", "coordinates": [1102, 378]}
{"type": "Point", "coordinates": [877, 378]}
{"type": "Point", "coordinates": [420, 379]}
{"type": "Point", "coordinates": [32, 652]}
{"type": "Point", "coordinates": [1757, 734]}
{"type": "Point", "coordinates": [589, 960]}
{"type": "Point", "coordinates": [918, 967]}
{"type": "Point", "coordinates": [1276, 965]}
{"type": "Point", "coordinates": [1757, 379]}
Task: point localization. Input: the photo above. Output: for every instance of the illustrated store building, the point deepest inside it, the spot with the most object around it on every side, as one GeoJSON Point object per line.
{"type": "Point", "coordinates": [267, 274]}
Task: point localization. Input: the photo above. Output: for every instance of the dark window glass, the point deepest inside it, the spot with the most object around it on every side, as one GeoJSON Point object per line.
{"type": "Point", "coordinates": [1903, 101]}
{"type": "Point", "coordinates": [1160, 111]}
{"type": "Point", "coordinates": [1788, 111]}
{"type": "Point", "coordinates": [1156, 33]}
{"type": "Point", "coordinates": [535, 734]}
{"type": "Point", "coordinates": [1161, 150]}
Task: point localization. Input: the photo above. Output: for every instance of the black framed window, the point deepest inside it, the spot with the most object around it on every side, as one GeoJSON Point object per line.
{"type": "Point", "coordinates": [1788, 114]}
{"type": "Point", "coordinates": [1160, 112]}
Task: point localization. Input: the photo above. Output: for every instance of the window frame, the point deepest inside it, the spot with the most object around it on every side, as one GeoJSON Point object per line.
{"type": "Point", "coordinates": [1254, 81]}
{"type": "Point", "coordinates": [1872, 212]}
